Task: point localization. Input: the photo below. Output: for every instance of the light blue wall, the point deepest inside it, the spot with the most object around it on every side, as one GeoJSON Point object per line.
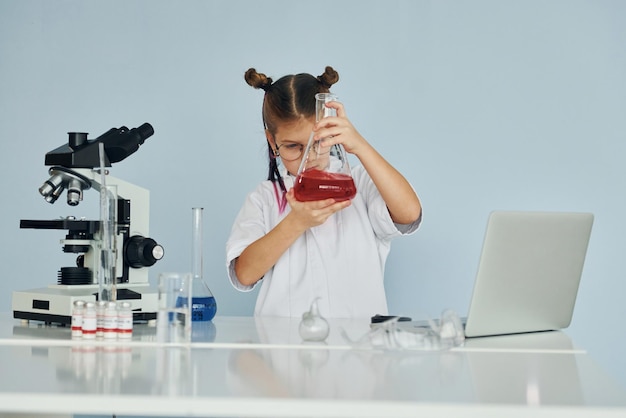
{"type": "Point", "coordinates": [483, 105]}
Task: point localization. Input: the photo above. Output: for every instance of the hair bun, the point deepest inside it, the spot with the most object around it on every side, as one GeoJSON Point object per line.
{"type": "Point", "coordinates": [329, 77]}
{"type": "Point", "coordinates": [258, 80]}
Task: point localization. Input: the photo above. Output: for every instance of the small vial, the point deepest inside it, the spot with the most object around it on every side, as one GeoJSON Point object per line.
{"type": "Point", "coordinates": [125, 321]}
{"type": "Point", "coordinates": [89, 321]}
{"type": "Point", "coordinates": [77, 318]}
{"type": "Point", "coordinates": [110, 321]}
{"type": "Point", "coordinates": [100, 308]}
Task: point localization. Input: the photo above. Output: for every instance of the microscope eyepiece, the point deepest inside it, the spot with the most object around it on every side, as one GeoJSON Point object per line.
{"type": "Point", "coordinates": [122, 143]}
{"type": "Point", "coordinates": [145, 131]}
{"type": "Point", "coordinates": [76, 139]}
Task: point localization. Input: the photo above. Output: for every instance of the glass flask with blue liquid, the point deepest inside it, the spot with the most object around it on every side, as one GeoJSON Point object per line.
{"type": "Point", "coordinates": [203, 305]}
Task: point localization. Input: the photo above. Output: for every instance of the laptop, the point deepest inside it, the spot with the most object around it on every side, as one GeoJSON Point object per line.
{"type": "Point", "coordinates": [529, 272]}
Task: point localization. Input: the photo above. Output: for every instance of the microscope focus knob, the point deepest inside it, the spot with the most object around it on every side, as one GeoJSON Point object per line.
{"type": "Point", "coordinates": [142, 252]}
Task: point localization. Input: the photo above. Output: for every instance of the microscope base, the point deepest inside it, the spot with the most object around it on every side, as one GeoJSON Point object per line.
{"type": "Point", "coordinates": [53, 304]}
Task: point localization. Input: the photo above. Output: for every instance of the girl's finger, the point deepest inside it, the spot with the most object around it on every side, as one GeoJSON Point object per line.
{"type": "Point", "coordinates": [338, 106]}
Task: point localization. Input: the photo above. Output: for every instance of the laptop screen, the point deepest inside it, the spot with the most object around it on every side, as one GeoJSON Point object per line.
{"type": "Point", "coordinates": [529, 271]}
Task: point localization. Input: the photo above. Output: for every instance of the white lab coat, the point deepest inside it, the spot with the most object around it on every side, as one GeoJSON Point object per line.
{"type": "Point", "coordinates": [341, 261]}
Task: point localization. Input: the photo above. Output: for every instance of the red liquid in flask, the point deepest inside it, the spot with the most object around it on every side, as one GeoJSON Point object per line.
{"type": "Point", "coordinates": [319, 185]}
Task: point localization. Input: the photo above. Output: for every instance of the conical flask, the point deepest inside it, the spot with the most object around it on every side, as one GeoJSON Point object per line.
{"type": "Point", "coordinates": [203, 305]}
{"type": "Point", "coordinates": [324, 171]}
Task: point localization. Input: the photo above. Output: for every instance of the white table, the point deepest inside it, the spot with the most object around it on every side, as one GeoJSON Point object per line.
{"type": "Point", "coordinates": [242, 366]}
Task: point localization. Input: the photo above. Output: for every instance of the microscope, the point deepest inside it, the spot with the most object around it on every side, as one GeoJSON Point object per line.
{"type": "Point", "coordinates": [76, 167]}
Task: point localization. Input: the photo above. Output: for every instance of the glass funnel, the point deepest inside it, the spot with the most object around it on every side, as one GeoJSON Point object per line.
{"type": "Point", "coordinates": [203, 305]}
{"type": "Point", "coordinates": [324, 171]}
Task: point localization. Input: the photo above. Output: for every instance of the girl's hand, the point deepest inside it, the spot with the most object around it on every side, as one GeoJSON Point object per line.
{"type": "Point", "coordinates": [338, 130]}
{"type": "Point", "coordinates": [306, 215]}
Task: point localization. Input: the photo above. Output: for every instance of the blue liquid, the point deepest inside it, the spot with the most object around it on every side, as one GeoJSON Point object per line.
{"type": "Point", "coordinates": [202, 308]}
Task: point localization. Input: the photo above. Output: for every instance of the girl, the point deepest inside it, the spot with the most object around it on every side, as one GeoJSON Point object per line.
{"type": "Point", "coordinates": [298, 251]}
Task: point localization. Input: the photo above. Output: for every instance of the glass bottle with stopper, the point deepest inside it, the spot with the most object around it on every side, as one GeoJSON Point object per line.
{"type": "Point", "coordinates": [324, 171]}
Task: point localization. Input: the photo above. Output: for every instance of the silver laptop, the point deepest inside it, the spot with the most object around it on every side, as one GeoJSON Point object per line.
{"type": "Point", "coordinates": [529, 272]}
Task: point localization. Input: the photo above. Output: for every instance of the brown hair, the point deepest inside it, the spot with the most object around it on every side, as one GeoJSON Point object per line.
{"type": "Point", "coordinates": [290, 98]}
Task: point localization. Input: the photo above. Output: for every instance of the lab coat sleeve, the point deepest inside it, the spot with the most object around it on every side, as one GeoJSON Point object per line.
{"type": "Point", "coordinates": [380, 219]}
{"type": "Point", "coordinates": [250, 224]}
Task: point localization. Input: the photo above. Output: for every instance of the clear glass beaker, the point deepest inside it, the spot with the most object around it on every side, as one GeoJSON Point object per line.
{"type": "Point", "coordinates": [173, 316]}
{"type": "Point", "coordinates": [203, 305]}
{"type": "Point", "coordinates": [324, 171]}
